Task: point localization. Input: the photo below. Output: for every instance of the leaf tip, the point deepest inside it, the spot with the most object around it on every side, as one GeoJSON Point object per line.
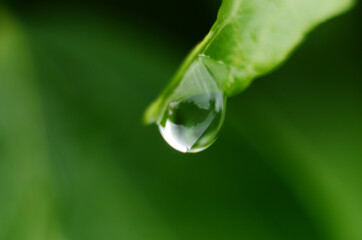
{"type": "Point", "coordinates": [150, 116]}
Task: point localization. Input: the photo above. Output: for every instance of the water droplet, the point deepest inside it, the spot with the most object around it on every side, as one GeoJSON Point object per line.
{"type": "Point", "coordinates": [195, 112]}
{"type": "Point", "coordinates": [193, 124]}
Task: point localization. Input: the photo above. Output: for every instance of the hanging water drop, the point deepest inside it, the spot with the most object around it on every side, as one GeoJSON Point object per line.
{"type": "Point", "coordinates": [195, 112]}
{"type": "Point", "coordinates": [192, 125]}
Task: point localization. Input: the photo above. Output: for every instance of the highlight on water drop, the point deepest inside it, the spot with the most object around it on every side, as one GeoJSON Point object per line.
{"type": "Point", "coordinates": [195, 113]}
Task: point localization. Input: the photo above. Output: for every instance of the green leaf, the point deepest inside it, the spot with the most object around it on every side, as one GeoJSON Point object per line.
{"type": "Point", "coordinates": [249, 39]}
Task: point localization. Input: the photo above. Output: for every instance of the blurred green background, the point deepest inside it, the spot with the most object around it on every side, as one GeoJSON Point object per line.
{"type": "Point", "coordinates": [76, 163]}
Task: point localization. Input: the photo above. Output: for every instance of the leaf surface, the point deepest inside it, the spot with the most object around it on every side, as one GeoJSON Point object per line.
{"type": "Point", "coordinates": [249, 39]}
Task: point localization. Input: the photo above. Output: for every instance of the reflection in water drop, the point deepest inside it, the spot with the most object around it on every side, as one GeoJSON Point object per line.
{"type": "Point", "coordinates": [195, 112]}
{"type": "Point", "coordinates": [192, 125]}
